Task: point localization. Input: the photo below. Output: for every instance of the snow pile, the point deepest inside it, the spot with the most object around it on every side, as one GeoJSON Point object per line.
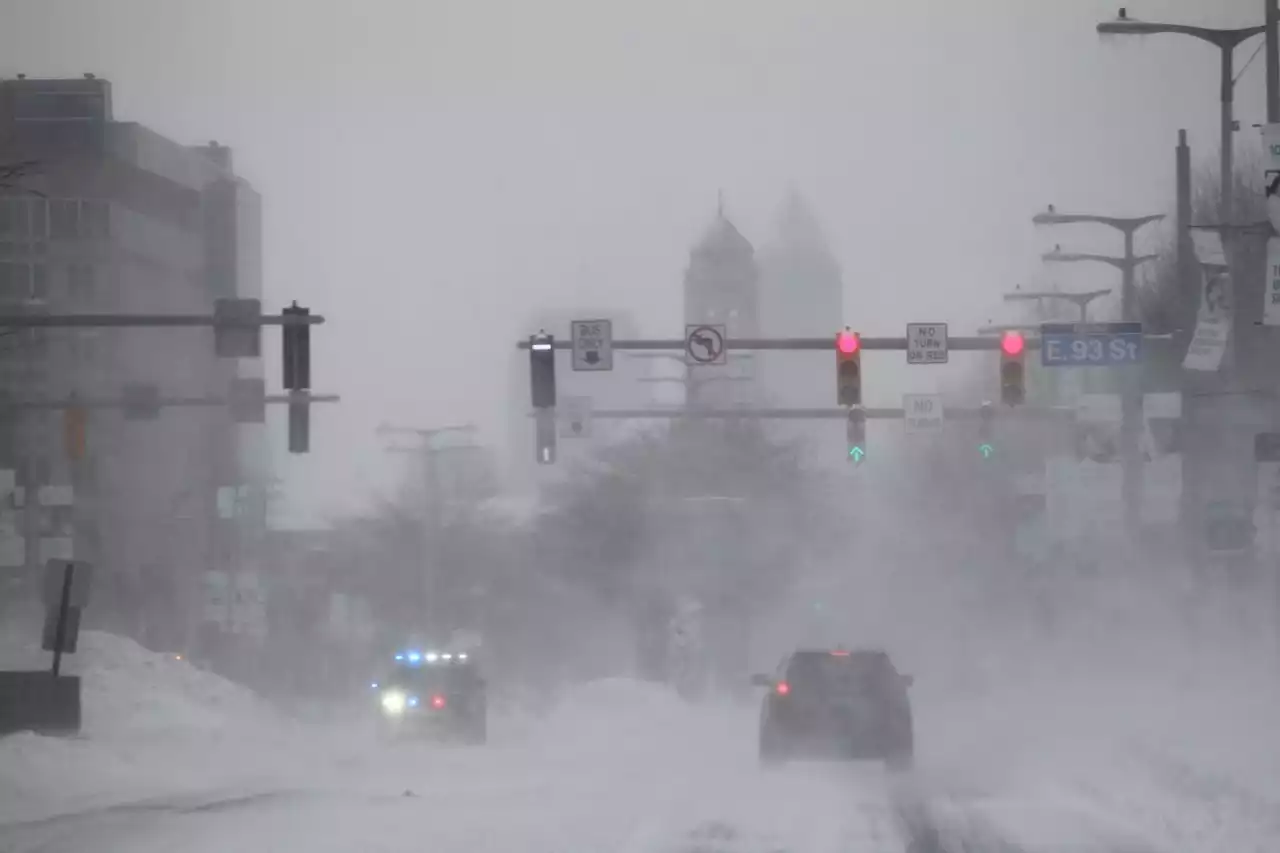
{"type": "Point", "coordinates": [1157, 757]}
{"type": "Point", "coordinates": [152, 725]}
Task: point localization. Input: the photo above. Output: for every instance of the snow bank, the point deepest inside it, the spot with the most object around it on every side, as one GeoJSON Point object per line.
{"type": "Point", "coordinates": [152, 725]}
{"type": "Point", "coordinates": [1152, 757]}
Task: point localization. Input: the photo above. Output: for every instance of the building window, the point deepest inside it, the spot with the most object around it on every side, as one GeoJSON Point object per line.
{"type": "Point", "coordinates": [80, 281]}
{"type": "Point", "coordinates": [64, 218]}
{"type": "Point", "coordinates": [96, 218]}
{"type": "Point", "coordinates": [20, 281]}
{"type": "Point", "coordinates": [23, 218]}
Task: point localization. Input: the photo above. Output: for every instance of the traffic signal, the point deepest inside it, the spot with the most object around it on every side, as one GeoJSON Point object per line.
{"type": "Point", "coordinates": [856, 432]}
{"type": "Point", "coordinates": [299, 427]}
{"type": "Point", "coordinates": [986, 431]}
{"type": "Point", "coordinates": [542, 372]}
{"type": "Point", "coordinates": [545, 436]}
{"type": "Point", "coordinates": [848, 368]}
{"type": "Point", "coordinates": [1013, 356]}
{"type": "Point", "coordinates": [297, 351]}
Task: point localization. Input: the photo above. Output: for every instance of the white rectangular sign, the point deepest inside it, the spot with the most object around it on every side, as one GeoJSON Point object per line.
{"type": "Point", "coordinates": [1271, 175]}
{"type": "Point", "coordinates": [1213, 324]}
{"type": "Point", "coordinates": [574, 414]}
{"type": "Point", "coordinates": [592, 344]}
{"type": "Point", "coordinates": [922, 412]}
{"type": "Point", "coordinates": [1271, 299]}
{"type": "Point", "coordinates": [926, 343]}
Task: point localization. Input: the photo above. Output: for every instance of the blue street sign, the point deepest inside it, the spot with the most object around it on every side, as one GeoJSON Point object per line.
{"type": "Point", "coordinates": [1090, 344]}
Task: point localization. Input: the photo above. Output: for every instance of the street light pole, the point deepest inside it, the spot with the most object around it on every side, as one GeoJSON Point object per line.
{"type": "Point", "coordinates": [1131, 391]}
{"type": "Point", "coordinates": [1080, 300]}
{"type": "Point", "coordinates": [1226, 40]}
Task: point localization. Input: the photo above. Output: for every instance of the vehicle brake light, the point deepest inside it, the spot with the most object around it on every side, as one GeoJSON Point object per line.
{"type": "Point", "coordinates": [782, 688]}
{"type": "Point", "coordinates": [840, 653]}
{"type": "Point", "coordinates": [437, 702]}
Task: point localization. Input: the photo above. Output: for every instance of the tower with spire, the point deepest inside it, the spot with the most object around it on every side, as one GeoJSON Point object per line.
{"type": "Point", "coordinates": [721, 286]}
{"type": "Point", "coordinates": [801, 295]}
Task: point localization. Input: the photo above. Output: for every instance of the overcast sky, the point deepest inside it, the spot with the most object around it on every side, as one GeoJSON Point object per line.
{"type": "Point", "coordinates": [435, 170]}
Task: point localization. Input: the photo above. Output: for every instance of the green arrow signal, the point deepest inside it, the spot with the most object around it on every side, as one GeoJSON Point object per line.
{"type": "Point", "coordinates": [986, 450]}
{"type": "Point", "coordinates": [856, 453]}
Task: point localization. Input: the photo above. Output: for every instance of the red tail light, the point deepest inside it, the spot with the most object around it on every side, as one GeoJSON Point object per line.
{"type": "Point", "coordinates": [437, 702]}
{"type": "Point", "coordinates": [782, 688]}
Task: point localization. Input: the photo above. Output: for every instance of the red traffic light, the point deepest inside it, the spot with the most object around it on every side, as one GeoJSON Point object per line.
{"type": "Point", "coordinates": [847, 343]}
{"type": "Point", "coordinates": [1012, 343]}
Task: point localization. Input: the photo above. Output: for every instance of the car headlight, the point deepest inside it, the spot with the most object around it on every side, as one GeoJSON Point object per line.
{"type": "Point", "coordinates": [393, 702]}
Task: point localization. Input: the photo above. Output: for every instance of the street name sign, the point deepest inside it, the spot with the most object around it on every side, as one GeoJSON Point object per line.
{"type": "Point", "coordinates": [1090, 344]}
{"type": "Point", "coordinates": [926, 343]}
{"type": "Point", "coordinates": [592, 344]}
{"type": "Point", "coordinates": [922, 412]}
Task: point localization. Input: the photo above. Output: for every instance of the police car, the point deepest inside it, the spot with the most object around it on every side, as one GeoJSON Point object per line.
{"type": "Point", "coordinates": [836, 703]}
{"type": "Point", "coordinates": [433, 694]}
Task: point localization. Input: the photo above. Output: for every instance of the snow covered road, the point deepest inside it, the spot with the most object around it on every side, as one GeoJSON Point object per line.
{"type": "Point", "coordinates": [626, 769]}
{"type": "Point", "coordinates": [190, 763]}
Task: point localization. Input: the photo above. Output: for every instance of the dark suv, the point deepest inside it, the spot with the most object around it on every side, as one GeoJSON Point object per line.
{"type": "Point", "coordinates": [836, 704]}
{"type": "Point", "coordinates": [434, 695]}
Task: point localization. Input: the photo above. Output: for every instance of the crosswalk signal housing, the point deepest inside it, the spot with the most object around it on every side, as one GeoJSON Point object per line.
{"type": "Point", "coordinates": [848, 368]}
{"type": "Point", "coordinates": [542, 370]}
{"type": "Point", "coordinates": [986, 431]}
{"type": "Point", "coordinates": [856, 432]}
{"type": "Point", "coordinates": [1013, 374]}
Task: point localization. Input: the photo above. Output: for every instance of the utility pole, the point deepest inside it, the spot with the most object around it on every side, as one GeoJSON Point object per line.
{"type": "Point", "coordinates": [1190, 516]}
{"type": "Point", "coordinates": [432, 504]}
{"type": "Point", "coordinates": [1131, 378]}
{"type": "Point", "coordinates": [1272, 17]}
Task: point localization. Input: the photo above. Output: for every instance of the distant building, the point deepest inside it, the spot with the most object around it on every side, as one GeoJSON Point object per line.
{"type": "Point", "coordinates": [721, 287]}
{"type": "Point", "coordinates": [125, 221]}
{"type": "Point", "coordinates": [801, 295]}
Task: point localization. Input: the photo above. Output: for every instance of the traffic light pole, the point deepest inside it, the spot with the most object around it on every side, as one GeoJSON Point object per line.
{"type": "Point", "coordinates": [78, 402]}
{"type": "Point", "coordinates": [1035, 413]}
{"type": "Point", "coordinates": [130, 321]}
{"type": "Point", "coordinates": [970, 344]}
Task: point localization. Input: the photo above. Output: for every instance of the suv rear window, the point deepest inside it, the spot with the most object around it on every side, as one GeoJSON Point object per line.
{"type": "Point", "coordinates": [827, 671]}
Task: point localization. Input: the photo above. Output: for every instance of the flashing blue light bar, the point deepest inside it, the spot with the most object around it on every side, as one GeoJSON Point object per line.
{"type": "Point", "coordinates": [414, 657]}
{"type": "Point", "coordinates": [399, 657]}
{"type": "Point", "coordinates": [413, 701]}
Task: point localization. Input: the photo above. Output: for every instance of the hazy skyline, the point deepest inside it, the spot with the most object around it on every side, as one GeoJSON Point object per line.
{"type": "Point", "coordinates": [434, 173]}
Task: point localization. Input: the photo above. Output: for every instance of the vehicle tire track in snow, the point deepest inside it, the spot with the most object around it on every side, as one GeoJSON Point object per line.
{"type": "Point", "coordinates": [92, 828]}
{"type": "Point", "coordinates": [951, 825]}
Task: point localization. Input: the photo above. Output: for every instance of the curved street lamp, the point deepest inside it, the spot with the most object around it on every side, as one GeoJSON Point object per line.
{"type": "Point", "coordinates": [1226, 40]}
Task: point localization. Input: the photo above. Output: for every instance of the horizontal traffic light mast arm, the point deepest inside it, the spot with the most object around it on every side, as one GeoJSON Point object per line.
{"type": "Point", "coordinates": [164, 402]}
{"type": "Point", "coordinates": [33, 321]}
{"type": "Point", "coordinates": [983, 342]}
{"type": "Point", "coordinates": [964, 414]}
